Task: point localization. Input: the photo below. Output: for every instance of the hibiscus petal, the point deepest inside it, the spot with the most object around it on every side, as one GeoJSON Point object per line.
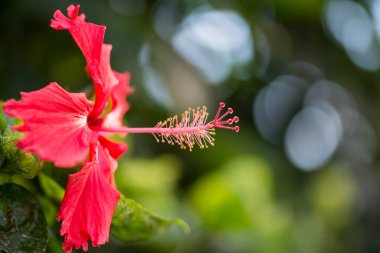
{"type": "Point", "coordinates": [88, 206]}
{"type": "Point", "coordinates": [61, 22]}
{"type": "Point", "coordinates": [118, 85]}
{"type": "Point", "coordinates": [116, 149]}
{"type": "Point", "coordinates": [109, 151]}
{"type": "Point", "coordinates": [108, 164]}
{"type": "Point", "coordinates": [73, 11]}
{"type": "Point", "coordinates": [120, 105]}
{"type": "Point", "coordinates": [89, 38]}
{"type": "Point", "coordinates": [108, 77]}
{"type": "Point", "coordinates": [55, 124]}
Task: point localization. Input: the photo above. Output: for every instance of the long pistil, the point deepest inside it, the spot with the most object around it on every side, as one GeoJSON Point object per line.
{"type": "Point", "coordinates": [193, 129]}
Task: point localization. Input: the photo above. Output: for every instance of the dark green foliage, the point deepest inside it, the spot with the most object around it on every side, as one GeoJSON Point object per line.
{"type": "Point", "coordinates": [15, 160]}
{"type": "Point", "coordinates": [23, 226]}
{"type": "Point", "coordinates": [12, 159]}
{"type": "Point", "coordinates": [3, 122]}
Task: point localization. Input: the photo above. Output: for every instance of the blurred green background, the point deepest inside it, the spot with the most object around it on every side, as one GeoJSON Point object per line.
{"type": "Point", "coordinates": [302, 175]}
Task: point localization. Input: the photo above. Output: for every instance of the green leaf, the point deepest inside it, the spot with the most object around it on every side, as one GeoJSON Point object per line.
{"type": "Point", "coordinates": [23, 226]}
{"type": "Point", "coordinates": [6, 121]}
{"type": "Point", "coordinates": [49, 208]}
{"type": "Point", "coordinates": [17, 161]}
{"type": "Point", "coordinates": [3, 123]}
{"type": "Point", "coordinates": [131, 222]}
{"type": "Point", "coordinates": [51, 188]}
{"type": "Point", "coordinates": [3, 118]}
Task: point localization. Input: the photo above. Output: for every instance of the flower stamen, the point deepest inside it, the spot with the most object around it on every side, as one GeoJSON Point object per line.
{"type": "Point", "coordinates": [189, 131]}
{"type": "Point", "coordinates": [193, 128]}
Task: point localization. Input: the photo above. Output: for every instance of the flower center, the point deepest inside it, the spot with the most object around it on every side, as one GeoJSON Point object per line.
{"type": "Point", "coordinates": [94, 123]}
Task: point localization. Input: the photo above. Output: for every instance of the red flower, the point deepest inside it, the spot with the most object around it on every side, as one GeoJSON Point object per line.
{"type": "Point", "coordinates": [63, 128]}
{"type": "Point", "coordinates": [88, 215]}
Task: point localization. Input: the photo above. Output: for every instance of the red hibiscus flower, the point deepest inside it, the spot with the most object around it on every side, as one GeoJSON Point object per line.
{"type": "Point", "coordinates": [67, 129]}
{"type": "Point", "coordinates": [62, 127]}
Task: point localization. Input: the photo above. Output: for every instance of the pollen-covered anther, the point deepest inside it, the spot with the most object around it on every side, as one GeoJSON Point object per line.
{"type": "Point", "coordinates": [193, 129]}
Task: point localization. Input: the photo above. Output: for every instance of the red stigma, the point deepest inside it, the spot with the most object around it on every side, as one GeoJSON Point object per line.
{"type": "Point", "coordinates": [221, 122]}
